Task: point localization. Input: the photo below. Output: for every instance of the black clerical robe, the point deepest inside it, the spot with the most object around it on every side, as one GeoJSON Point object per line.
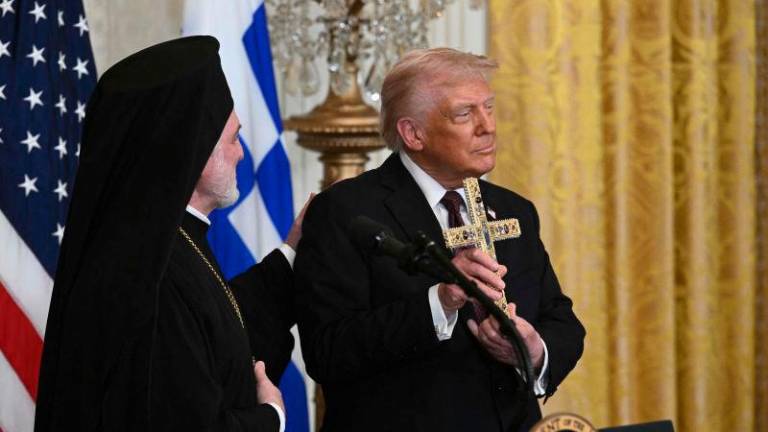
{"type": "Point", "coordinates": [201, 373]}
{"type": "Point", "coordinates": [140, 335]}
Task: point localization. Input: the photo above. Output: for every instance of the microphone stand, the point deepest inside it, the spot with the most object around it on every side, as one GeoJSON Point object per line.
{"type": "Point", "coordinates": [426, 249]}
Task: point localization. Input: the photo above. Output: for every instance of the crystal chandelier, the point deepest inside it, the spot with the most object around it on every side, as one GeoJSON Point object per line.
{"type": "Point", "coordinates": [371, 33]}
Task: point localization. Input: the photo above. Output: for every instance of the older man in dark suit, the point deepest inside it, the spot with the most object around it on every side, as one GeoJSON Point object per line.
{"type": "Point", "coordinates": [396, 352]}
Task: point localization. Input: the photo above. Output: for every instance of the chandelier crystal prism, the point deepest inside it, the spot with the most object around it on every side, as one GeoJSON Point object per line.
{"type": "Point", "coordinates": [371, 33]}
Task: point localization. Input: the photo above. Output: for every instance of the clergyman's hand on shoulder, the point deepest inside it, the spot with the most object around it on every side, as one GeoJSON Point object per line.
{"type": "Point", "coordinates": [479, 267]}
{"type": "Point", "coordinates": [266, 392]}
{"type": "Point", "coordinates": [294, 235]}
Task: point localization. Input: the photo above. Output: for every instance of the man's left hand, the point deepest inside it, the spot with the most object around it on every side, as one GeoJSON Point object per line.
{"type": "Point", "coordinates": [489, 335]}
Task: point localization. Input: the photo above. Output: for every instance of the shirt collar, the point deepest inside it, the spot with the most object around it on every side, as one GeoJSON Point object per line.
{"type": "Point", "coordinates": [198, 214]}
{"type": "Point", "coordinates": [432, 190]}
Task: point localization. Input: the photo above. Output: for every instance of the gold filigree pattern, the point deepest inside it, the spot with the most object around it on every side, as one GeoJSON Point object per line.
{"type": "Point", "coordinates": [480, 233]}
{"type": "Point", "coordinates": [636, 119]}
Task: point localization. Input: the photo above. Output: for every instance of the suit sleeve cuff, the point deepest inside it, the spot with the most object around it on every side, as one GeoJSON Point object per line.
{"type": "Point", "coordinates": [444, 324]}
{"type": "Point", "coordinates": [540, 386]}
{"type": "Point", "coordinates": [280, 414]}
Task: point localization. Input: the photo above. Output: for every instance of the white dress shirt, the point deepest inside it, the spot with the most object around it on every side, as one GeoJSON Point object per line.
{"type": "Point", "coordinates": [290, 255]}
{"type": "Point", "coordinates": [445, 323]}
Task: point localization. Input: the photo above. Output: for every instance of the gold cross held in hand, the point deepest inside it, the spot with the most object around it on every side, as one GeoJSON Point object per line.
{"type": "Point", "coordinates": [480, 233]}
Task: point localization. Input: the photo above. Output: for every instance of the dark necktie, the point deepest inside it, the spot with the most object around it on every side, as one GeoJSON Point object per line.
{"type": "Point", "coordinates": [452, 202]}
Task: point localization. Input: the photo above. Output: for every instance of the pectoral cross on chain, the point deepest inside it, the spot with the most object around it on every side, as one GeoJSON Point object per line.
{"type": "Point", "coordinates": [480, 233]}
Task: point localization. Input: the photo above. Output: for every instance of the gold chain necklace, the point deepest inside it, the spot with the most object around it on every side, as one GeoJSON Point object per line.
{"type": "Point", "coordinates": [227, 291]}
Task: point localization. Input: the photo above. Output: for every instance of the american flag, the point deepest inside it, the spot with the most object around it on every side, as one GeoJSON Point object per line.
{"type": "Point", "coordinates": [46, 76]}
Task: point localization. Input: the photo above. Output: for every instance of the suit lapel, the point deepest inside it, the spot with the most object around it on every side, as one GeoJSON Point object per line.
{"type": "Point", "coordinates": [406, 203]}
{"type": "Point", "coordinates": [508, 252]}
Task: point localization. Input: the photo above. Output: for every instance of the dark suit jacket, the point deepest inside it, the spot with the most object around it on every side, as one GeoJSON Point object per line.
{"type": "Point", "coordinates": [366, 329]}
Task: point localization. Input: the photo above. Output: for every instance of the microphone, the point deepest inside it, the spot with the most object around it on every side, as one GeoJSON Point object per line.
{"type": "Point", "coordinates": [378, 239]}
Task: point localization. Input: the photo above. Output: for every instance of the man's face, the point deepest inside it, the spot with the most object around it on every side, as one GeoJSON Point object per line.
{"type": "Point", "coordinates": [218, 181]}
{"type": "Point", "coordinates": [459, 133]}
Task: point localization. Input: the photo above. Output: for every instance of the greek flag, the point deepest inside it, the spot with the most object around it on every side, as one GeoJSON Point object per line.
{"type": "Point", "coordinates": [260, 220]}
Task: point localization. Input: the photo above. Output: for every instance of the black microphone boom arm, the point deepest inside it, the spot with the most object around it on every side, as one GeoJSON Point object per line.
{"type": "Point", "coordinates": [425, 246]}
{"type": "Point", "coordinates": [424, 256]}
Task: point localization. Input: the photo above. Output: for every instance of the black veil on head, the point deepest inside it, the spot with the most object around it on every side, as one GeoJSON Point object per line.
{"type": "Point", "coordinates": [150, 127]}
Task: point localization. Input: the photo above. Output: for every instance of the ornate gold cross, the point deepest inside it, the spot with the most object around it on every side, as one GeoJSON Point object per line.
{"type": "Point", "coordinates": [480, 233]}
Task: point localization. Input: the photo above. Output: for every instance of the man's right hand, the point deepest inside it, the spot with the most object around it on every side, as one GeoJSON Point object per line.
{"type": "Point", "coordinates": [294, 235]}
{"type": "Point", "coordinates": [266, 392]}
{"type": "Point", "coordinates": [478, 267]}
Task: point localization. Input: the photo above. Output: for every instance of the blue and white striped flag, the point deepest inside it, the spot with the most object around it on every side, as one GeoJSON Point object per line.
{"type": "Point", "coordinates": [260, 220]}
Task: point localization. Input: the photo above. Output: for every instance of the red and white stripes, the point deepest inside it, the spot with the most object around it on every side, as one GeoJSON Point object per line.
{"type": "Point", "coordinates": [25, 293]}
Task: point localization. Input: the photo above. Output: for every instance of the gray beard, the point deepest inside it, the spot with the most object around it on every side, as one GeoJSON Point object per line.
{"type": "Point", "coordinates": [229, 197]}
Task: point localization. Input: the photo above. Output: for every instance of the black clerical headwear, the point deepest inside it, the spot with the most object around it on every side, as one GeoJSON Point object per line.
{"type": "Point", "coordinates": [150, 127]}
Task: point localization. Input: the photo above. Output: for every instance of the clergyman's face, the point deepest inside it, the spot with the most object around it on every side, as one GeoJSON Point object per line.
{"type": "Point", "coordinates": [459, 133]}
{"type": "Point", "coordinates": [218, 181]}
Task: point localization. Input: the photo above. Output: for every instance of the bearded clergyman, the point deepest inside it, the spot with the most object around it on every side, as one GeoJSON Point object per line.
{"type": "Point", "coordinates": [143, 331]}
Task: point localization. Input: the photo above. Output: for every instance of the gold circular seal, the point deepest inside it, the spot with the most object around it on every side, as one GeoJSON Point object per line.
{"type": "Point", "coordinates": [563, 422]}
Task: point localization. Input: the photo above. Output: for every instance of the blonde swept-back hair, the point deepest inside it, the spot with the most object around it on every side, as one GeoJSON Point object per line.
{"type": "Point", "coordinates": [408, 87]}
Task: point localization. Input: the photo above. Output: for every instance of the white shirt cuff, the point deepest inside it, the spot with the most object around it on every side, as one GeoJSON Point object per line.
{"type": "Point", "coordinates": [280, 414]}
{"type": "Point", "coordinates": [540, 385]}
{"type": "Point", "coordinates": [289, 253]}
{"type": "Point", "coordinates": [444, 324]}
